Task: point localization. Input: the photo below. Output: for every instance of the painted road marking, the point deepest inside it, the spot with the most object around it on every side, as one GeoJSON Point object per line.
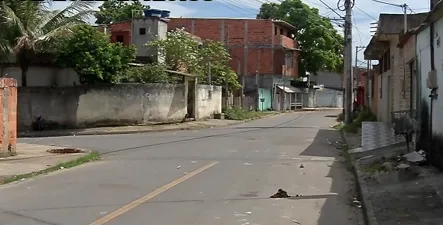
{"type": "Point", "coordinates": [149, 196]}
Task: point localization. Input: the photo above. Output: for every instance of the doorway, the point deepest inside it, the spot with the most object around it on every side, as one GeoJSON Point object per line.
{"type": "Point", "coordinates": [191, 99]}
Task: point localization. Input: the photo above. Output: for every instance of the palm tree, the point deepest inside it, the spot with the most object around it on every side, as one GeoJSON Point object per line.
{"type": "Point", "coordinates": [29, 28]}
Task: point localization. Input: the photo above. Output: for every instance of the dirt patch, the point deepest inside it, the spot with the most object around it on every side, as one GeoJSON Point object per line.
{"type": "Point", "coordinates": [65, 151]}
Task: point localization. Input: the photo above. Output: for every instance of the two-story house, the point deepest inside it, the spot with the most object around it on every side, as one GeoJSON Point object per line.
{"type": "Point", "coordinates": [393, 93]}
{"type": "Point", "coordinates": [264, 55]}
{"type": "Point", "coordinates": [139, 31]}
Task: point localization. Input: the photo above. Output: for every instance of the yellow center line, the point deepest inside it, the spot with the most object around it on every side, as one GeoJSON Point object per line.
{"type": "Point", "coordinates": [151, 195]}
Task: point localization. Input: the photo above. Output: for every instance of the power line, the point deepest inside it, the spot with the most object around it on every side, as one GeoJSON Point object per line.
{"type": "Point", "coordinates": [365, 13]}
{"type": "Point", "coordinates": [329, 7]}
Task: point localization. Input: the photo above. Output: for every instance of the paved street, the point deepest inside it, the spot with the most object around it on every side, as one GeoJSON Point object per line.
{"type": "Point", "coordinates": [199, 177]}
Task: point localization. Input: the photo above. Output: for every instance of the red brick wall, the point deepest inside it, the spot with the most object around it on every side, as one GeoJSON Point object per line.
{"type": "Point", "coordinates": [259, 32]}
{"type": "Point", "coordinates": [8, 123]}
{"type": "Point", "coordinates": [122, 28]}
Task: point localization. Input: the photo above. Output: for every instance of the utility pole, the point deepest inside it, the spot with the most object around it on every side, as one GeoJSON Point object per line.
{"type": "Point", "coordinates": [284, 86]}
{"type": "Point", "coordinates": [368, 78]}
{"type": "Point", "coordinates": [242, 81]}
{"type": "Point", "coordinates": [348, 61]}
{"type": "Point", "coordinates": [257, 81]}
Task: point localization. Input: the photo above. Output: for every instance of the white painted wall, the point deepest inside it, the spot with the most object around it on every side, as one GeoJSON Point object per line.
{"type": "Point", "coordinates": [39, 76]}
{"type": "Point", "coordinates": [208, 105]}
{"type": "Point", "coordinates": [438, 59]}
{"type": "Point", "coordinates": [329, 98]}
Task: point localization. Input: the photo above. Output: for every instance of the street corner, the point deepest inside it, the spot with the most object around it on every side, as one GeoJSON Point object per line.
{"type": "Point", "coordinates": [33, 160]}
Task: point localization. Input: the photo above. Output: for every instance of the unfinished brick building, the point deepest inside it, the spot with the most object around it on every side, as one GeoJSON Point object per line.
{"type": "Point", "coordinates": [262, 53]}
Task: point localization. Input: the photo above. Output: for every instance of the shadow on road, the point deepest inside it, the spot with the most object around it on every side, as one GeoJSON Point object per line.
{"type": "Point", "coordinates": [337, 208]}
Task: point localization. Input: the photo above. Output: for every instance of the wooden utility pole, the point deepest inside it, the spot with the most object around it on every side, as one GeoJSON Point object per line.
{"type": "Point", "coordinates": [348, 62]}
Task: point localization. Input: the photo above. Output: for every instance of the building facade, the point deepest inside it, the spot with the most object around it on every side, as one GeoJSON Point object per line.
{"type": "Point", "coordinates": [392, 78]}
{"type": "Point", "coordinates": [138, 32]}
{"type": "Point", "coordinates": [263, 53]}
{"type": "Point", "coordinates": [429, 53]}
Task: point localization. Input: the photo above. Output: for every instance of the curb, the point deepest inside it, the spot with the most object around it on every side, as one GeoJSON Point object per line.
{"type": "Point", "coordinates": [368, 211]}
{"type": "Point", "coordinates": [89, 133]}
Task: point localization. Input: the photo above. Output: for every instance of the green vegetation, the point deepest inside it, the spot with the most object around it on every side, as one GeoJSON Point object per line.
{"type": "Point", "coordinates": [115, 11]}
{"type": "Point", "coordinates": [238, 113]}
{"type": "Point", "coordinates": [93, 156]}
{"type": "Point", "coordinates": [365, 114]}
{"type": "Point", "coordinates": [182, 51]}
{"type": "Point", "coordinates": [96, 60]}
{"type": "Point", "coordinates": [320, 43]}
{"type": "Point", "coordinates": [30, 28]}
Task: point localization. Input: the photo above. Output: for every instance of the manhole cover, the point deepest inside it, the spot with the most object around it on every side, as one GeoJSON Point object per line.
{"type": "Point", "coordinates": [64, 150]}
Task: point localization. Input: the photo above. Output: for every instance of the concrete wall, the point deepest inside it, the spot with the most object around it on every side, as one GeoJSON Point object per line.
{"type": "Point", "coordinates": [155, 29]}
{"type": "Point", "coordinates": [84, 106]}
{"type": "Point", "coordinates": [329, 98]}
{"type": "Point", "coordinates": [427, 106]}
{"type": "Point", "coordinates": [208, 103]}
{"type": "Point", "coordinates": [39, 76]}
{"type": "Point", "coordinates": [8, 117]}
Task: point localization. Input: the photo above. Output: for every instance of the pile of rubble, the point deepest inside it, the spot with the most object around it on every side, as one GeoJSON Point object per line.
{"type": "Point", "coordinates": [399, 163]}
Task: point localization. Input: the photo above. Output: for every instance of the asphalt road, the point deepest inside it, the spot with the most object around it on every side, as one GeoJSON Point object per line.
{"type": "Point", "coordinates": [201, 177]}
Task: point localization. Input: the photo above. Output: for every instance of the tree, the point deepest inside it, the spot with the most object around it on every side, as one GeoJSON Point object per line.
{"type": "Point", "coordinates": [321, 45]}
{"type": "Point", "coordinates": [151, 73]}
{"type": "Point", "coordinates": [115, 11]}
{"type": "Point", "coordinates": [93, 57]}
{"type": "Point", "coordinates": [30, 28]}
{"type": "Point", "coordinates": [182, 51]}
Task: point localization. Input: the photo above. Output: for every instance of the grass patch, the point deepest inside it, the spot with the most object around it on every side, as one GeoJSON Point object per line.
{"type": "Point", "coordinates": [93, 156]}
{"type": "Point", "coordinates": [238, 113]}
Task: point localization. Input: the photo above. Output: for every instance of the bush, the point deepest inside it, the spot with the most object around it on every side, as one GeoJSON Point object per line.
{"type": "Point", "coordinates": [365, 114]}
{"type": "Point", "coordinates": [238, 113]}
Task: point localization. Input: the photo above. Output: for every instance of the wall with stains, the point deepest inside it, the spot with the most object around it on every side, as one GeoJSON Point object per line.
{"type": "Point", "coordinates": [432, 141]}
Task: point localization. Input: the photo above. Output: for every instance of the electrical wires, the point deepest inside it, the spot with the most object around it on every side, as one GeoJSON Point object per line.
{"type": "Point", "coordinates": [343, 7]}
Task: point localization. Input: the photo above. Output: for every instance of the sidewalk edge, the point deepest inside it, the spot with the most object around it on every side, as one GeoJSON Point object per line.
{"type": "Point", "coordinates": [368, 211]}
{"type": "Point", "coordinates": [61, 133]}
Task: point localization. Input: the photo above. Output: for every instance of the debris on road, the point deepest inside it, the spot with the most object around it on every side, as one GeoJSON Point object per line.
{"type": "Point", "coordinates": [247, 164]}
{"type": "Point", "coordinates": [280, 194]}
{"type": "Point", "coordinates": [194, 162]}
{"type": "Point", "coordinates": [178, 167]}
{"type": "Point", "coordinates": [415, 157]}
{"type": "Point", "coordinates": [301, 166]}
{"type": "Point", "coordinates": [295, 221]}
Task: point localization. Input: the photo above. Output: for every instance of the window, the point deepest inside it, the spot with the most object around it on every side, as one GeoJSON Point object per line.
{"type": "Point", "coordinates": [120, 38]}
{"type": "Point", "coordinates": [142, 31]}
{"type": "Point", "coordinates": [275, 31]}
{"type": "Point", "coordinates": [281, 31]}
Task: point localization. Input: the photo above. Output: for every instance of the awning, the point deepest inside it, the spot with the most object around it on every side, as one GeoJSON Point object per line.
{"type": "Point", "coordinates": [289, 89]}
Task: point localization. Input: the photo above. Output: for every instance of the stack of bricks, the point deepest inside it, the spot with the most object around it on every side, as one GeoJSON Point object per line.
{"type": "Point", "coordinates": [8, 117]}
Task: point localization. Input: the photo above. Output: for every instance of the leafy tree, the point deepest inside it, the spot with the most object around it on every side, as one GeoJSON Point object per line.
{"type": "Point", "coordinates": [93, 57]}
{"type": "Point", "coordinates": [182, 51]}
{"type": "Point", "coordinates": [151, 73]}
{"type": "Point", "coordinates": [321, 45]}
{"type": "Point", "coordinates": [115, 11]}
{"type": "Point", "coordinates": [29, 28]}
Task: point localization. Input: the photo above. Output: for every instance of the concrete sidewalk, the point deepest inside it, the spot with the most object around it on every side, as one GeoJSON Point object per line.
{"type": "Point", "coordinates": [391, 197]}
{"type": "Point", "coordinates": [132, 129]}
{"type": "Point", "coordinates": [33, 158]}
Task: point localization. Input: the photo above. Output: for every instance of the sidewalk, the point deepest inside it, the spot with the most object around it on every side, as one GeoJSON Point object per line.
{"type": "Point", "coordinates": [392, 196]}
{"type": "Point", "coordinates": [132, 129]}
{"type": "Point", "coordinates": [32, 158]}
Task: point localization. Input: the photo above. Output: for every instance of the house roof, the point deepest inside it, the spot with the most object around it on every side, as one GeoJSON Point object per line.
{"type": "Point", "coordinates": [391, 24]}
{"type": "Point", "coordinates": [285, 24]}
{"type": "Point", "coordinates": [394, 23]}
